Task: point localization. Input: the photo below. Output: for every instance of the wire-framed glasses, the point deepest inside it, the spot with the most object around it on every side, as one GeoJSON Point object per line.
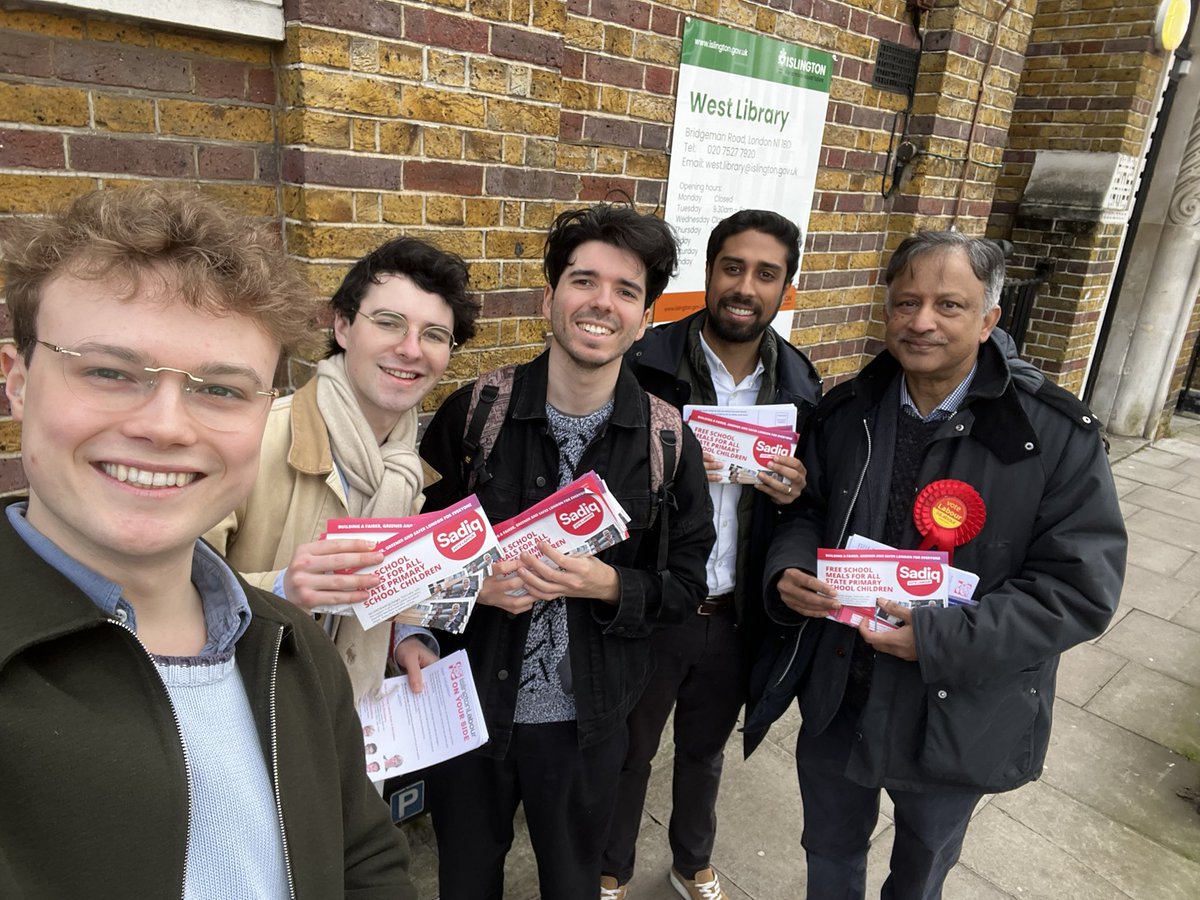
{"type": "Point", "coordinates": [116, 379]}
{"type": "Point", "coordinates": [396, 325]}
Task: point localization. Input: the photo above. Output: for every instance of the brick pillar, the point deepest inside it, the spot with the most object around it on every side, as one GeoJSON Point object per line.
{"type": "Point", "coordinates": [1064, 319]}
{"type": "Point", "coordinates": [1079, 127]}
{"type": "Point", "coordinates": [965, 94]}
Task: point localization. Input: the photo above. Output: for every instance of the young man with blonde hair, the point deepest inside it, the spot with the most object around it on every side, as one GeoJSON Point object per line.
{"type": "Point", "coordinates": [202, 741]}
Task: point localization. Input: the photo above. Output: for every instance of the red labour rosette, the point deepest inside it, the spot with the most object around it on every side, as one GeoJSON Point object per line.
{"type": "Point", "coordinates": [948, 513]}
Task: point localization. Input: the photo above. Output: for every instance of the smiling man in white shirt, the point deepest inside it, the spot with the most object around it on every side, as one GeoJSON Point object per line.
{"type": "Point", "coordinates": [727, 355]}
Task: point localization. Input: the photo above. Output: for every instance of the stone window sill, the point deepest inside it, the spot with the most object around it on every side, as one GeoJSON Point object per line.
{"type": "Point", "coordinates": [246, 18]}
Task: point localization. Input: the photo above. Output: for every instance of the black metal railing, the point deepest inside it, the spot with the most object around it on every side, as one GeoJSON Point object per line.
{"type": "Point", "coordinates": [1016, 302]}
{"type": "Point", "coordinates": [1189, 397]}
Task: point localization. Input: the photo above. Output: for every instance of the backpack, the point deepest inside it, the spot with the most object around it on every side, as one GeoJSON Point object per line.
{"type": "Point", "coordinates": [489, 406]}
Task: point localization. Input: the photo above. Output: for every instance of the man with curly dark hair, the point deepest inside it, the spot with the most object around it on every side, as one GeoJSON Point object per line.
{"type": "Point", "coordinates": [345, 445]}
{"type": "Point", "coordinates": [559, 666]}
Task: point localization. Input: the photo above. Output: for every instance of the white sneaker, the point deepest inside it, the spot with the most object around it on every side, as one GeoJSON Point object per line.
{"type": "Point", "coordinates": [610, 890]}
{"type": "Point", "coordinates": [705, 886]}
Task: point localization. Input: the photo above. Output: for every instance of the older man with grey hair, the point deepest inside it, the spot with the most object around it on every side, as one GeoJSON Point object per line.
{"type": "Point", "coordinates": [957, 701]}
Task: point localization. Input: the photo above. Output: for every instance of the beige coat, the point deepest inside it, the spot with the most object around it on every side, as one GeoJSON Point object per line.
{"type": "Point", "coordinates": [297, 491]}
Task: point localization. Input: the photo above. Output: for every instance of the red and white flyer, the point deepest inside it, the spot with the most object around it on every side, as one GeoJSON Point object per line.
{"type": "Point", "coordinates": [433, 564]}
{"type": "Point", "coordinates": [404, 732]}
{"type": "Point", "coordinates": [580, 519]}
{"type": "Point", "coordinates": [912, 578]}
{"type": "Point", "coordinates": [960, 584]}
{"type": "Point", "coordinates": [743, 448]}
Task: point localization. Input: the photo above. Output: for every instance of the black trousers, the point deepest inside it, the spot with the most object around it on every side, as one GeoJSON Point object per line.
{"type": "Point", "coordinates": [567, 794]}
{"type": "Point", "coordinates": [839, 816]}
{"type": "Point", "coordinates": [698, 669]}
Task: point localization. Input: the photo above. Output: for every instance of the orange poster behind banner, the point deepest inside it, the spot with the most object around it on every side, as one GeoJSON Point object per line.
{"type": "Point", "coordinates": [675, 305]}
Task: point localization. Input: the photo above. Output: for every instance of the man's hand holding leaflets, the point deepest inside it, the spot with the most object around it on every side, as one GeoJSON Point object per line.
{"type": "Point", "coordinates": [549, 550]}
{"type": "Point", "coordinates": [325, 574]}
{"type": "Point", "coordinates": [874, 588]}
{"type": "Point", "coordinates": [750, 445]}
{"type": "Point", "coordinates": [431, 570]}
{"type": "Point", "coordinates": [405, 730]}
{"type": "Point", "coordinates": [430, 567]}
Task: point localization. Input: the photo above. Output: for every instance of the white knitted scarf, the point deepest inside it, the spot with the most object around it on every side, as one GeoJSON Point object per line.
{"type": "Point", "coordinates": [381, 480]}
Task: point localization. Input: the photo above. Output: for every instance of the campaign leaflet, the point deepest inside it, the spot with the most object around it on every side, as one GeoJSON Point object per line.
{"type": "Point", "coordinates": [451, 600]}
{"type": "Point", "coordinates": [764, 415]}
{"type": "Point", "coordinates": [436, 564]}
{"type": "Point", "coordinates": [912, 578]}
{"type": "Point", "coordinates": [960, 584]}
{"type": "Point", "coordinates": [404, 732]}
{"type": "Point", "coordinates": [376, 530]}
{"type": "Point", "coordinates": [580, 519]}
{"type": "Point", "coordinates": [743, 448]}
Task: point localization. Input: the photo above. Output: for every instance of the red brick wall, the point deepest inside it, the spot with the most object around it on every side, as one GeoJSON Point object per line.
{"type": "Point", "coordinates": [91, 102]}
{"type": "Point", "coordinates": [966, 86]}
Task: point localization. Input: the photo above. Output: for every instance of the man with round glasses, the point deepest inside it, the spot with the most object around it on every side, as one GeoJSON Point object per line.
{"type": "Point", "coordinates": [345, 445]}
{"type": "Point", "coordinates": [196, 736]}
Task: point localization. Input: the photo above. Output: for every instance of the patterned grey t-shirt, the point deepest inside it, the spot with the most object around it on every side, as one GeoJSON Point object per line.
{"type": "Point", "coordinates": [546, 693]}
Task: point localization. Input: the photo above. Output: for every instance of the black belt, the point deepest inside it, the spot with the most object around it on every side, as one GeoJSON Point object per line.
{"type": "Point", "coordinates": [710, 606]}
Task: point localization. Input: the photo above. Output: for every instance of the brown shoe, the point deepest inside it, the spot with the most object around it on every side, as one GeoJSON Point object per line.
{"type": "Point", "coordinates": [610, 890]}
{"type": "Point", "coordinates": [705, 886]}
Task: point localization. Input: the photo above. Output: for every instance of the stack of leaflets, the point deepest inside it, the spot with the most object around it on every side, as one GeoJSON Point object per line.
{"type": "Point", "coordinates": [739, 442]}
{"type": "Point", "coordinates": [433, 567]}
{"type": "Point", "coordinates": [404, 732]}
{"type": "Point", "coordinates": [960, 584]}
{"type": "Point", "coordinates": [580, 519]}
{"type": "Point", "coordinates": [911, 578]}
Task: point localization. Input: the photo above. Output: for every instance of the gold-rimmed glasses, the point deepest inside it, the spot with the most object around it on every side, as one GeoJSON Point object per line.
{"type": "Point", "coordinates": [117, 379]}
{"type": "Point", "coordinates": [436, 337]}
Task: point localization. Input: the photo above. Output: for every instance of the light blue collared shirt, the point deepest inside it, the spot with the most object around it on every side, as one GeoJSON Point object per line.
{"type": "Point", "coordinates": [944, 410]}
{"type": "Point", "coordinates": [226, 610]}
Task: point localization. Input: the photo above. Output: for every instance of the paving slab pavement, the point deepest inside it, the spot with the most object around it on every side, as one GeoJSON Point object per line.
{"type": "Point", "coordinates": [1105, 820]}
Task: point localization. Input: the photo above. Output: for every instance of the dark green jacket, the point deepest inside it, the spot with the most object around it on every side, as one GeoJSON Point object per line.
{"type": "Point", "coordinates": [93, 786]}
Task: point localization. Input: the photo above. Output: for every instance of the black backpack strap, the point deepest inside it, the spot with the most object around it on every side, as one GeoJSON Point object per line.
{"type": "Point", "coordinates": [480, 409]}
{"type": "Point", "coordinates": [667, 424]}
{"type": "Point", "coordinates": [485, 415]}
{"type": "Point", "coordinates": [666, 496]}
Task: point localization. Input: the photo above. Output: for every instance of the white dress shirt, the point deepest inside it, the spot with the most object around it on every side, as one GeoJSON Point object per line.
{"type": "Point", "coordinates": [722, 561]}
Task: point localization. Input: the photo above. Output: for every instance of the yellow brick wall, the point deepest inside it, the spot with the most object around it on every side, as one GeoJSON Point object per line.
{"type": "Point", "coordinates": [1090, 85]}
{"type": "Point", "coordinates": [89, 102]}
{"type": "Point", "coordinates": [473, 122]}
